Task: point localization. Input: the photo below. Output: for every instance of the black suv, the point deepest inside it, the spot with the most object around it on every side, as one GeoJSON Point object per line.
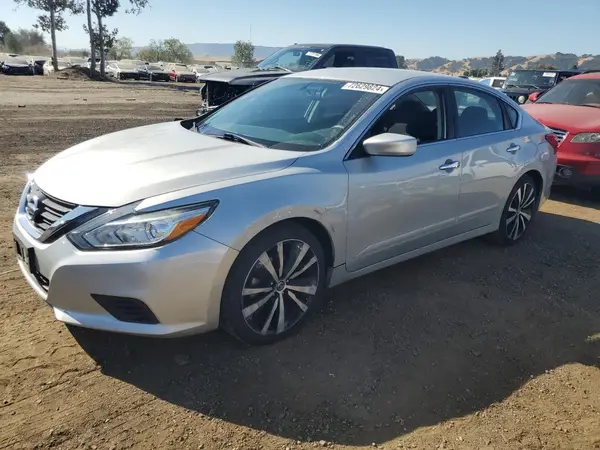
{"type": "Point", "coordinates": [520, 84]}
{"type": "Point", "coordinates": [220, 87]}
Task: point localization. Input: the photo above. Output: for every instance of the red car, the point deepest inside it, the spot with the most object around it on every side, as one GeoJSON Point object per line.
{"type": "Point", "coordinates": [571, 110]}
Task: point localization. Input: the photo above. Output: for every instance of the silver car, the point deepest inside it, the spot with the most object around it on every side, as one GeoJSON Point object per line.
{"type": "Point", "coordinates": [241, 218]}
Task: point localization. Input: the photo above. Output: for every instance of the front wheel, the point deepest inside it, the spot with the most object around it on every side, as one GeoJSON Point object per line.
{"type": "Point", "coordinates": [518, 213]}
{"type": "Point", "coordinates": [274, 284]}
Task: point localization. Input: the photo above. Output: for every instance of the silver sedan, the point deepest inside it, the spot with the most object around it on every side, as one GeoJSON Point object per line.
{"type": "Point", "coordinates": [241, 218]}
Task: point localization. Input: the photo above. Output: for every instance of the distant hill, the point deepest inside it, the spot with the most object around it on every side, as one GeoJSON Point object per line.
{"type": "Point", "coordinates": [453, 67]}
{"type": "Point", "coordinates": [202, 50]}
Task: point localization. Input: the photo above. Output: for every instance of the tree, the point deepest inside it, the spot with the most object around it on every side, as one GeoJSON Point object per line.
{"type": "Point", "coordinates": [243, 54]}
{"type": "Point", "coordinates": [88, 10]}
{"type": "Point", "coordinates": [104, 41]}
{"type": "Point", "coordinates": [51, 20]}
{"type": "Point", "coordinates": [4, 30]}
{"type": "Point", "coordinates": [177, 51]}
{"type": "Point", "coordinates": [12, 44]}
{"type": "Point", "coordinates": [497, 64]}
{"type": "Point", "coordinates": [401, 62]}
{"type": "Point", "coordinates": [169, 50]}
{"type": "Point", "coordinates": [122, 49]}
{"type": "Point", "coordinates": [103, 9]}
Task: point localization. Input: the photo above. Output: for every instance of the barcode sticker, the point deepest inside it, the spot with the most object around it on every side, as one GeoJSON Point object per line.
{"type": "Point", "coordinates": [549, 74]}
{"type": "Point", "coordinates": [366, 87]}
{"type": "Point", "coordinates": [314, 54]}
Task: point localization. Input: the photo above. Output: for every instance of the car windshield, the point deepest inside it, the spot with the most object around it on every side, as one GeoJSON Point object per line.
{"type": "Point", "coordinates": [293, 113]}
{"type": "Point", "coordinates": [294, 59]}
{"type": "Point", "coordinates": [531, 79]}
{"type": "Point", "coordinates": [153, 67]}
{"type": "Point", "coordinates": [582, 92]}
{"type": "Point", "coordinates": [17, 61]}
{"type": "Point", "coordinates": [125, 66]}
{"type": "Point", "coordinates": [181, 67]}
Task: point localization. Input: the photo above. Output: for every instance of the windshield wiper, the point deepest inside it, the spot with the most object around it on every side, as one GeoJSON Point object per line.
{"type": "Point", "coordinates": [237, 138]}
{"type": "Point", "coordinates": [591, 106]}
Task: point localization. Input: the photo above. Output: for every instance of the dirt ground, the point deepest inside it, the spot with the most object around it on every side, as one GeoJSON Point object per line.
{"type": "Point", "coordinates": [471, 347]}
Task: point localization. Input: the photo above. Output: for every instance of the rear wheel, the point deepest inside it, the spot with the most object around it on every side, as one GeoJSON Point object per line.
{"type": "Point", "coordinates": [519, 212]}
{"type": "Point", "coordinates": [274, 285]}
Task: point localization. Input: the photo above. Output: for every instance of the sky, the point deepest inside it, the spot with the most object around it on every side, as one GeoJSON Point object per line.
{"type": "Point", "coordinates": [453, 29]}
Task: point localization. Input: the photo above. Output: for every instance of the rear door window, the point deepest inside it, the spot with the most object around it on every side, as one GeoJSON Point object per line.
{"type": "Point", "coordinates": [375, 58]}
{"type": "Point", "coordinates": [477, 113]}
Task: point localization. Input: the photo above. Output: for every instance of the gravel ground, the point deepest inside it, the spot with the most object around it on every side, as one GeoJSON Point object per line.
{"type": "Point", "coordinates": [471, 347]}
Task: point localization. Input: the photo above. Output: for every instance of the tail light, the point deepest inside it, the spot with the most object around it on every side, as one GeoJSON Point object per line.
{"type": "Point", "coordinates": [552, 141]}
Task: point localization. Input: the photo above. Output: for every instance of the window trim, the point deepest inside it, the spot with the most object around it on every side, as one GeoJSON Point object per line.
{"type": "Point", "coordinates": [443, 95]}
{"type": "Point", "coordinates": [501, 103]}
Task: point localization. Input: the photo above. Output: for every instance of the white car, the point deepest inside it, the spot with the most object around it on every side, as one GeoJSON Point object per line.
{"type": "Point", "coordinates": [493, 82]}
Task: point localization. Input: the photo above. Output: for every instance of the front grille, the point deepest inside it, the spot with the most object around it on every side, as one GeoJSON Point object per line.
{"type": "Point", "coordinates": [126, 309]}
{"type": "Point", "coordinates": [559, 134]}
{"type": "Point", "coordinates": [215, 93]}
{"type": "Point", "coordinates": [43, 210]}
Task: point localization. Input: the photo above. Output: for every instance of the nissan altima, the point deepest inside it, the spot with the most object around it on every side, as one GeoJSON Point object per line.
{"type": "Point", "coordinates": [241, 218]}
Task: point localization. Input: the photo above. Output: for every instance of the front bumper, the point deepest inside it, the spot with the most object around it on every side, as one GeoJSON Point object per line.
{"type": "Point", "coordinates": [180, 283]}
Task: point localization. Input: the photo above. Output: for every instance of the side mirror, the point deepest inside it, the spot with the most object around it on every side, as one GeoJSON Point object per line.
{"type": "Point", "coordinates": [390, 144]}
{"type": "Point", "coordinates": [534, 97]}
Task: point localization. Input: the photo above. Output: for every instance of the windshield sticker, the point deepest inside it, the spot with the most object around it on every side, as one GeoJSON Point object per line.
{"type": "Point", "coordinates": [366, 87]}
{"type": "Point", "coordinates": [549, 74]}
{"type": "Point", "coordinates": [314, 54]}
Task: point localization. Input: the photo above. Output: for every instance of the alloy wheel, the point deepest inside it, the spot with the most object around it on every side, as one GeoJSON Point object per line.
{"type": "Point", "coordinates": [279, 287]}
{"type": "Point", "coordinates": [520, 211]}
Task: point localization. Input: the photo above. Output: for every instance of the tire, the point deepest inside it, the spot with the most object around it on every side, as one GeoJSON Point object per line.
{"type": "Point", "coordinates": [523, 202]}
{"type": "Point", "coordinates": [257, 318]}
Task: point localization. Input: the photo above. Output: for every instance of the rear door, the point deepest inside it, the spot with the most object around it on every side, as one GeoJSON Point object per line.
{"type": "Point", "coordinates": [493, 148]}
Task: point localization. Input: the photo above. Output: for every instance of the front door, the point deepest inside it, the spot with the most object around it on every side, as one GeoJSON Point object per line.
{"type": "Point", "coordinates": [399, 204]}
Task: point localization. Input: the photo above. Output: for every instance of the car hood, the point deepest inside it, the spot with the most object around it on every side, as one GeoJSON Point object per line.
{"type": "Point", "coordinates": [227, 76]}
{"type": "Point", "coordinates": [185, 72]}
{"type": "Point", "coordinates": [15, 65]}
{"type": "Point", "coordinates": [138, 163]}
{"type": "Point", "coordinates": [565, 117]}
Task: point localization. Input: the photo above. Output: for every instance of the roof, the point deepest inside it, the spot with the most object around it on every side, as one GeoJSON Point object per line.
{"type": "Point", "coordinates": [375, 75]}
{"type": "Point", "coordinates": [336, 45]}
{"type": "Point", "coordinates": [587, 76]}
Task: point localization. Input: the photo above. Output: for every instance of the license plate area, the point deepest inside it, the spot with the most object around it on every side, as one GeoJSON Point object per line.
{"type": "Point", "coordinates": [29, 259]}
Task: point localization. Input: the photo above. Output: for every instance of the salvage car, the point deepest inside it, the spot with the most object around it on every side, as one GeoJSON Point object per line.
{"type": "Point", "coordinates": [18, 65]}
{"type": "Point", "coordinates": [122, 71]}
{"type": "Point", "coordinates": [222, 86]}
{"type": "Point", "coordinates": [152, 72]}
{"type": "Point", "coordinates": [181, 73]}
{"type": "Point", "coordinates": [521, 84]}
{"type": "Point", "coordinates": [38, 65]}
{"type": "Point", "coordinates": [572, 111]}
{"type": "Point", "coordinates": [243, 217]}
{"type": "Point", "coordinates": [495, 82]}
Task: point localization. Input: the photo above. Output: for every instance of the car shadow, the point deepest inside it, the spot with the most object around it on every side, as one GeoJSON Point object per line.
{"type": "Point", "coordinates": [574, 196]}
{"type": "Point", "coordinates": [428, 340]}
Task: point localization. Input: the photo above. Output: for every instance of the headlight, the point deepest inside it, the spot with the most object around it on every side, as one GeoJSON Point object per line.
{"type": "Point", "coordinates": [586, 138]}
{"type": "Point", "coordinates": [142, 230]}
{"type": "Point", "coordinates": [522, 99]}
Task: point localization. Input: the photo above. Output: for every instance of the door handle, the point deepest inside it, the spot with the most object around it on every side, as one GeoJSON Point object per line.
{"type": "Point", "coordinates": [450, 165]}
{"type": "Point", "coordinates": [513, 148]}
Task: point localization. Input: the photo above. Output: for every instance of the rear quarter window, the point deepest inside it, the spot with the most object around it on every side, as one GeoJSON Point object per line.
{"type": "Point", "coordinates": [377, 59]}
